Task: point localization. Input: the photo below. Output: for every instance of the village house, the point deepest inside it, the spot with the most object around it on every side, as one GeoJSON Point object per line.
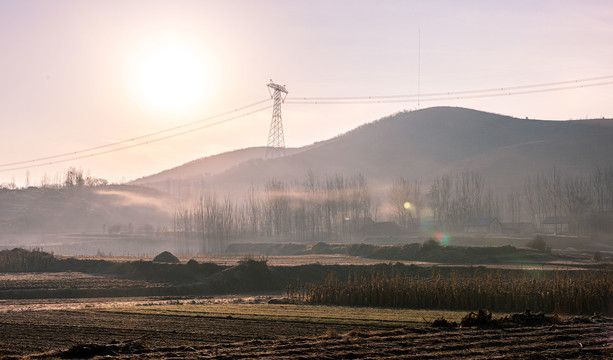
{"type": "Point", "coordinates": [487, 225]}
{"type": "Point", "coordinates": [555, 225]}
{"type": "Point", "coordinates": [521, 228]}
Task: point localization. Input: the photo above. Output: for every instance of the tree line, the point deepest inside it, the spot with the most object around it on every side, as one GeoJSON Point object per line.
{"type": "Point", "coordinates": [336, 207]}
{"type": "Point", "coordinates": [453, 199]}
{"type": "Point", "coordinates": [71, 178]}
{"type": "Point", "coordinates": [313, 210]}
{"type": "Point", "coordinates": [581, 199]}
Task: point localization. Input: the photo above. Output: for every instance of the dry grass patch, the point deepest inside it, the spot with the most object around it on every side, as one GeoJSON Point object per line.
{"type": "Point", "coordinates": [298, 313]}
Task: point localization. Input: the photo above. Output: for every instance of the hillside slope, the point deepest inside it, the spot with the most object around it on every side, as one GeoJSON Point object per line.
{"type": "Point", "coordinates": [203, 168]}
{"type": "Point", "coordinates": [425, 143]}
{"type": "Point", "coordinates": [86, 209]}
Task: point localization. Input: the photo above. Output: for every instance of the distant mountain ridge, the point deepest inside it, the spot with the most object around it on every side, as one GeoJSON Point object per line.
{"type": "Point", "coordinates": [418, 145]}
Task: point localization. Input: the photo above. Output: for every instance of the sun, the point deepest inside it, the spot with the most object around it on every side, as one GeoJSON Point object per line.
{"type": "Point", "coordinates": [171, 77]}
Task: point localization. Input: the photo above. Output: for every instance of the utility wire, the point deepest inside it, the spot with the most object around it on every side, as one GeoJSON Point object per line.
{"type": "Point", "coordinates": [139, 144]}
{"type": "Point", "coordinates": [397, 99]}
{"type": "Point", "coordinates": [502, 89]}
{"type": "Point", "coordinates": [482, 93]}
{"type": "Point", "coordinates": [73, 153]}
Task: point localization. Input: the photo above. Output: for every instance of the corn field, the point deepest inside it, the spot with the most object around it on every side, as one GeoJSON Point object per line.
{"type": "Point", "coordinates": [565, 292]}
{"type": "Point", "coordinates": [26, 260]}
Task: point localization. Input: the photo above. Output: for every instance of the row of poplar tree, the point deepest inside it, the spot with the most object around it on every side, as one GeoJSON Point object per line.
{"type": "Point", "coordinates": [337, 207]}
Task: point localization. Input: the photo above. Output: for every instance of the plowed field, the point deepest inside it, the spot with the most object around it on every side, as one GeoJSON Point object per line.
{"type": "Point", "coordinates": [96, 334]}
{"type": "Point", "coordinates": [563, 342]}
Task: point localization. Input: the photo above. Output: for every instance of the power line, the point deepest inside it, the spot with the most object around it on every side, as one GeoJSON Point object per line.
{"type": "Point", "coordinates": [139, 144]}
{"type": "Point", "coordinates": [412, 98]}
{"type": "Point", "coordinates": [457, 95]}
{"type": "Point", "coordinates": [73, 153]}
{"type": "Point", "coordinates": [449, 93]}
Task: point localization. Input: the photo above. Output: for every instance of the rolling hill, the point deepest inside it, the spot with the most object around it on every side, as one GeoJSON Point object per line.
{"type": "Point", "coordinates": [199, 170]}
{"type": "Point", "coordinates": [416, 145]}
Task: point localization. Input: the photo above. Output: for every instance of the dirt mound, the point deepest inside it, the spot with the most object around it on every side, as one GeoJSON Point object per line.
{"type": "Point", "coordinates": [281, 301]}
{"type": "Point", "coordinates": [166, 257]}
{"type": "Point", "coordinates": [483, 319]}
{"type": "Point", "coordinates": [87, 351]}
{"type": "Point", "coordinates": [443, 323]}
{"type": "Point", "coordinates": [539, 319]}
{"type": "Point", "coordinates": [248, 276]}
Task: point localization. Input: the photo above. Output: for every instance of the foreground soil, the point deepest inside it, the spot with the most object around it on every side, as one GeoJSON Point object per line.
{"type": "Point", "coordinates": [86, 334]}
{"type": "Point", "coordinates": [29, 332]}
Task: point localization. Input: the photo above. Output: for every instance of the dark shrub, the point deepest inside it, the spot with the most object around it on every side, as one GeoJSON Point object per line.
{"type": "Point", "coordinates": [321, 248]}
{"type": "Point", "coordinates": [430, 244]}
{"type": "Point", "coordinates": [538, 243]}
{"type": "Point", "coordinates": [364, 250]}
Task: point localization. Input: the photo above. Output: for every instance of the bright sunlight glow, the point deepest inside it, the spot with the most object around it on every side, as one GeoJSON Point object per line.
{"type": "Point", "coordinates": [172, 78]}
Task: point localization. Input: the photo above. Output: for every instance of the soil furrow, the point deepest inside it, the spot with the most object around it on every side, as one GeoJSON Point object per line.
{"type": "Point", "coordinates": [164, 336]}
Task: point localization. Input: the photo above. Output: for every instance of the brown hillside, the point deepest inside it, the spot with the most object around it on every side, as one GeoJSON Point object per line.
{"type": "Point", "coordinates": [198, 171]}
{"type": "Point", "coordinates": [425, 143]}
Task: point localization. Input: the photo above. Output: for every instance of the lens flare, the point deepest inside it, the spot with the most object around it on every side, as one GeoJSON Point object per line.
{"type": "Point", "coordinates": [442, 238]}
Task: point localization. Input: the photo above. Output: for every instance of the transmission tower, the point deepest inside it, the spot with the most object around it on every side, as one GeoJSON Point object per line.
{"type": "Point", "coordinates": [276, 142]}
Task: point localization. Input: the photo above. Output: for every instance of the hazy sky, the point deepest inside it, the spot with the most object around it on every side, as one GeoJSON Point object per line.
{"type": "Point", "coordinates": [82, 74]}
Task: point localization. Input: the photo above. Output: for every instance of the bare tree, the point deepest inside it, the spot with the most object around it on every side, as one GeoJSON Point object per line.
{"type": "Point", "coordinates": [602, 188]}
{"type": "Point", "coordinates": [514, 207]}
{"type": "Point", "coordinates": [276, 209]}
{"type": "Point", "coordinates": [577, 197]}
{"type": "Point", "coordinates": [254, 210]}
{"type": "Point", "coordinates": [439, 199]}
{"type": "Point", "coordinates": [553, 186]}
{"type": "Point", "coordinates": [399, 195]}
{"type": "Point", "coordinates": [407, 201]}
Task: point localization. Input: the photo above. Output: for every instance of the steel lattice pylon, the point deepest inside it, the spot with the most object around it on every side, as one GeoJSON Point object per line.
{"type": "Point", "coordinates": [275, 147]}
